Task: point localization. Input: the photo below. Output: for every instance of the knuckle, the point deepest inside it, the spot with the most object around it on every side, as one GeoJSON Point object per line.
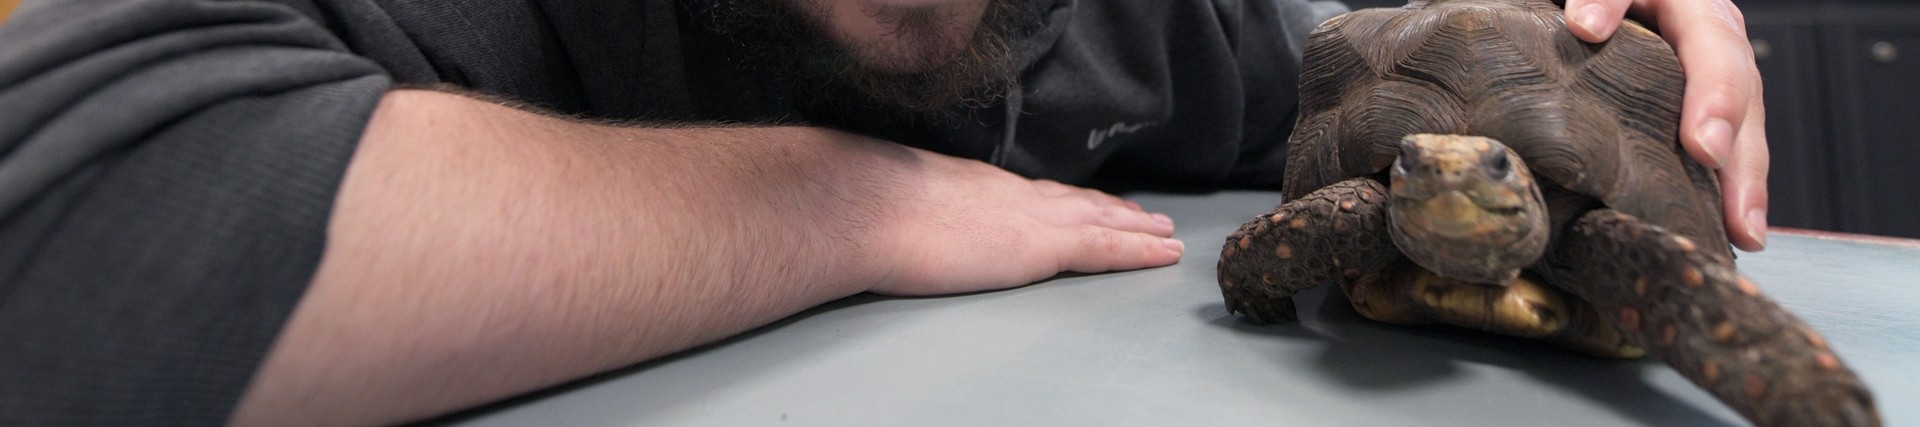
{"type": "Point", "coordinates": [1730, 16]}
{"type": "Point", "coordinates": [1111, 216]}
{"type": "Point", "coordinates": [1723, 96]}
{"type": "Point", "coordinates": [1732, 11]}
{"type": "Point", "coordinates": [1734, 94]}
{"type": "Point", "coordinates": [1098, 196]}
{"type": "Point", "coordinates": [1051, 188]}
{"type": "Point", "coordinates": [1089, 195]}
{"type": "Point", "coordinates": [1113, 244]}
{"type": "Point", "coordinates": [1107, 243]}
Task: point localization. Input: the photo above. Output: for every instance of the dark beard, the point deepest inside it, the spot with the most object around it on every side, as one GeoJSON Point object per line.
{"type": "Point", "coordinates": [822, 72]}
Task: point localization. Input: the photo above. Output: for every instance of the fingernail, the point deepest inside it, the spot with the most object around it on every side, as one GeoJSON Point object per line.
{"type": "Point", "coordinates": [1592, 17]}
{"type": "Point", "coordinates": [1757, 226]}
{"type": "Point", "coordinates": [1715, 138]}
{"type": "Point", "coordinates": [1175, 245]}
{"type": "Point", "coordinates": [1163, 219]}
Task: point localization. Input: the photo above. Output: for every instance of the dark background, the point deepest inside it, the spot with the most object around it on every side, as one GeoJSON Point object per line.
{"type": "Point", "coordinates": [1842, 84]}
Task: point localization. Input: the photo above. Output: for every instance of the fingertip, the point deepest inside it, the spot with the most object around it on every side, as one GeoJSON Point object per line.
{"type": "Point", "coordinates": [1122, 219]}
{"type": "Point", "coordinates": [1592, 21]}
{"type": "Point", "coordinates": [1160, 251]}
{"type": "Point", "coordinates": [1756, 230]}
{"type": "Point", "coordinates": [1171, 251]}
{"type": "Point", "coordinates": [1104, 250]}
{"type": "Point", "coordinates": [1743, 185]}
{"type": "Point", "coordinates": [1746, 216]}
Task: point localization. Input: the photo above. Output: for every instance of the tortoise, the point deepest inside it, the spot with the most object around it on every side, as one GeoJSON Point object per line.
{"type": "Point", "coordinates": [1472, 163]}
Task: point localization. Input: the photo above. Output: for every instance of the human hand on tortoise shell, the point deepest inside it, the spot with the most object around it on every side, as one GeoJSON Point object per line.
{"type": "Point", "coordinates": [1723, 122]}
{"type": "Point", "coordinates": [966, 226]}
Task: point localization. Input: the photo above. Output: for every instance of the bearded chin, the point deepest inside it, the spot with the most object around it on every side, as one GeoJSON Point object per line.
{"type": "Point", "coordinates": [825, 73]}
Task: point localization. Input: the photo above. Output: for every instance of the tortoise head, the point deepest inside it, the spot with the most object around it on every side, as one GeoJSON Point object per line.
{"type": "Point", "coordinates": [1466, 207]}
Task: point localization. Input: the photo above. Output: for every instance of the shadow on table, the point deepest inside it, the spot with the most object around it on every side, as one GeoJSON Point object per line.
{"type": "Point", "coordinates": [1365, 354]}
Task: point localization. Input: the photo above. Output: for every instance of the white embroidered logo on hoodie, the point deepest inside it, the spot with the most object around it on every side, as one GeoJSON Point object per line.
{"type": "Point", "coordinates": [1099, 136]}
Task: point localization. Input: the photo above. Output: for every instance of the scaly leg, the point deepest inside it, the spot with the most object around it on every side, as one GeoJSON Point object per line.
{"type": "Point", "coordinates": [1340, 230]}
{"type": "Point", "coordinates": [1688, 306]}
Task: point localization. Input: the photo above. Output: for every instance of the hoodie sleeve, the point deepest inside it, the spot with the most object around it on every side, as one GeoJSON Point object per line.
{"type": "Point", "coordinates": [167, 169]}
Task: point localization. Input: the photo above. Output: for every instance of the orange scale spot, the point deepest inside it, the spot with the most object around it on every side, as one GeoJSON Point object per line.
{"type": "Point", "coordinates": [1630, 318]}
{"type": "Point", "coordinates": [1684, 244]}
{"type": "Point", "coordinates": [1815, 339]}
{"type": "Point", "coordinates": [1693, 277]}
{"type": "Point", "coordinates": [1746, 286]}
{"type": "Point", "coordinates": [1283, 251]}
{"type": "Point", "coordinates": [1827, 361]}
{"type": "Point", "coordinates": [1756, 386]}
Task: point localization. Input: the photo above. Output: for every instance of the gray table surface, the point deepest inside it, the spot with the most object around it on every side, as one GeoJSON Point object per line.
{"type": "Point", "coordinates": [1156, 347]}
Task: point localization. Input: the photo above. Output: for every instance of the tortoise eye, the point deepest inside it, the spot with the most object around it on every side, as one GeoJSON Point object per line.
{"type": "Point", "coordinates": [1499, 167]}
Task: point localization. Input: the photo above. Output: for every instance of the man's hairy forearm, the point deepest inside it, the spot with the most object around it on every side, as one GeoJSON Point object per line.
{"type": "Point", "coordinates": [477, 251]}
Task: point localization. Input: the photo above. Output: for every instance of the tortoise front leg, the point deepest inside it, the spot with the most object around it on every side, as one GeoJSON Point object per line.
{"type": "Point", "coordinates": [1688, 306]}
{"type": "Point", "coordinates": [1337, 231]}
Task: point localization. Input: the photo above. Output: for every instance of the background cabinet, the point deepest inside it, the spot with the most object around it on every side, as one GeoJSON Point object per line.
{"type": "Point", "coordinates": [1843, 112]}
{"type": "Point", "coordinates": [1874, 61]}
{"type": "Point", "coordinates": [1842, 90]}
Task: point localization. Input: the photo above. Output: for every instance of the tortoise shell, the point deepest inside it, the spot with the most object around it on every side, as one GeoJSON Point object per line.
{"type": "Point", "coordinates": [1634, 234]}
{"type": "Point", "coordinates": [1597, 120]}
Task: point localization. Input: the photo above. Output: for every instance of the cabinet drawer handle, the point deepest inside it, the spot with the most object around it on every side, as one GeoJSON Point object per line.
{"type": "Point", "coordinates": [1885, 52]}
